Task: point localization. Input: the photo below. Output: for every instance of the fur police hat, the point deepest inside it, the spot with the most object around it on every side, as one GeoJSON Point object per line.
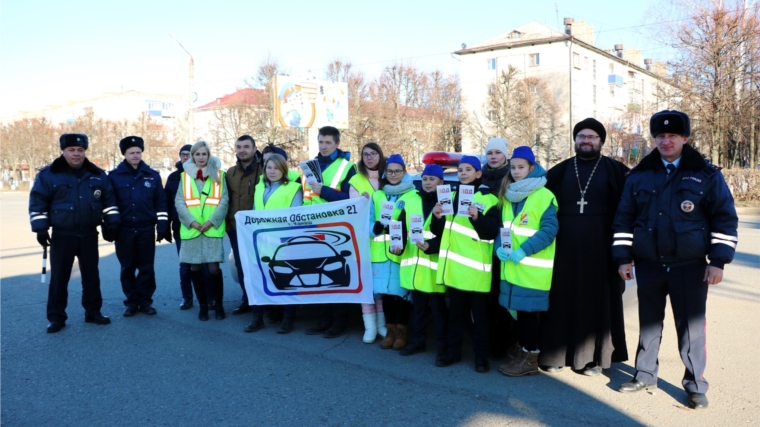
{"type": "Point", "coordinates": [74, 140]}
{"type": "Point", "coordinates": [670, 121]}
{"type": "Point", "coordinates": [131, 141]}
{"type": "Point", "coordinates": [593, 124]}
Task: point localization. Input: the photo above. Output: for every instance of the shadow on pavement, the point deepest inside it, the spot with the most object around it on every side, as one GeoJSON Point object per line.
{"type": "Point", "coordinates": [172, 369]}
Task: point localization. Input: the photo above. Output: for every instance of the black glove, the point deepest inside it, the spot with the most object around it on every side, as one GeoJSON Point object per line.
{"type": "Point", "coordinates": [43, 237]}
{"type": "Point", "coordinates": [164, 236]}
{"type": "Point", "coordinates": [110, 233]}
{"type": "Point", "coordinates": [378, 228]}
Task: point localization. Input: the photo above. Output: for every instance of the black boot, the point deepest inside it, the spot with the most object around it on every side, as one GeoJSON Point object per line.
{"type": "Point", "coordinates": [218, 281]}
{"type": "Point", "coordinates": [286, 326]}
{"type": "Point", "coordinates": [196, 277]}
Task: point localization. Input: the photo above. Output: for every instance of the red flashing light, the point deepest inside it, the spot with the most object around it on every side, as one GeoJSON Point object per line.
{"type": "Point", "coordinates": [442, 158]}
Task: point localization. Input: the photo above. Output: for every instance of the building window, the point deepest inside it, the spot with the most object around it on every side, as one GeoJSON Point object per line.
{"type": "Point", "coordinates": [593, 69]}
{"type": "Point", "coordinates": [585, 62]}
{"type": "Point", "coordinates": [593, 89]}
{"type": "Point", "coordinates": [491, 63]}
{"type": "Point", "coordinates": [534, 59]}
{"type": "Point", "coordinates": [612, 68]}
{"type": "Point", "coordinates": [632, 75]}
{"type": "Point", "coordinates": [576, 61]}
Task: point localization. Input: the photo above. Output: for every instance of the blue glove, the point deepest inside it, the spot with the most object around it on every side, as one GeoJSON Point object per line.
{"type": "Point", "coordinates": [517, 256]}
{"type": "Point", "coordinates": [502, 254]}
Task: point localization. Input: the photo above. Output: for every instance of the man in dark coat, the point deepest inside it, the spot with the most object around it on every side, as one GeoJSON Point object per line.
{"type": "Point", "coordinates": [142, 204]}
{"type": "Point", "coordinates": [73, 197]}
{"type": "Point", "coordinates": [584, 326]}
{"type": "Point", "coordinates": [676, 210]}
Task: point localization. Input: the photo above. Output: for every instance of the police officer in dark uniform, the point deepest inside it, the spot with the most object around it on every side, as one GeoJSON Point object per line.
{"type": "Point", "coordinates": [675, 210]}
{"type": "Point", "coordinates": [142, 203]}
{"type": "Point", "coordinates": [73, 196]}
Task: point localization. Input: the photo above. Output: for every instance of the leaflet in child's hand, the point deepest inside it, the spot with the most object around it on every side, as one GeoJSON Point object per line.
{"type": "Point", "coordinates": [506, 240]}
{"type": "Point", "coordinates": [386, 213]}
{"type": "Point", "coordinates": [416, 235]}
{"type": "Point", "coordinates": [396, 235]}
{"type": "Point", "coordinates": [465, 199]}
{"type": "Point", "coordinates": [444, 198]}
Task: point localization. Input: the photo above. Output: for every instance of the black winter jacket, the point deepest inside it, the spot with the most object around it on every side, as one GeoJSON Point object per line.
{"type": "Point", "coordinates": [675, 219]}
{"type": "Point", "coordinates": [72, 204]}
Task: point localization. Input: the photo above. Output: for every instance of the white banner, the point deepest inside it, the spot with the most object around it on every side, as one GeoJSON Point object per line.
{"type": "Point", "coordinates": [307, 255]}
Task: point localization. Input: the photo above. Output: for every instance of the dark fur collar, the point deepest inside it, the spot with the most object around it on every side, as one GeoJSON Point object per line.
{"type": "Point", "coordinates": [690, 160]}
{"type": "Point", "coordinates": [60, 166]}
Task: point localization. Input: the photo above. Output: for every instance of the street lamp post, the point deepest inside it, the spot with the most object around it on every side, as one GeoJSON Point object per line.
{"type": "Point", "coordinates": [190, 114]}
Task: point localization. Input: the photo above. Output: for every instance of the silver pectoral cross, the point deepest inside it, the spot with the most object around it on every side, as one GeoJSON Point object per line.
{"type": "Point", "coordinates": [581, 203]}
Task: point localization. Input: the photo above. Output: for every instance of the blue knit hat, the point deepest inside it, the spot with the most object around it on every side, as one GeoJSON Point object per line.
{"type": "Point", "coordinates": [524, 152]}
{"type": "Point", "coordinates": [271, 148]}
{"type": "Point", "coordinates": [396, 158]}
{"type": "Point", "coordinates": [433, 170]}
{"type": "Point", "coordinates": [472, 161]}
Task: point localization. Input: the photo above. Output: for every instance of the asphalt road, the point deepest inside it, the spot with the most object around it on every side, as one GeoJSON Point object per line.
{"type": "Point", "coordinates": [171, 369]}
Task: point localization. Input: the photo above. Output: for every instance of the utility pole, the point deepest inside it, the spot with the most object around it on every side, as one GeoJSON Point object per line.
{"type": "Point", "coordinates": [190, 114]}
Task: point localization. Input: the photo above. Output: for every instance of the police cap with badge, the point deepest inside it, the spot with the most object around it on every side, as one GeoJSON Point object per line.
{"type": "Point", "coordinates": [670, 121]}
{"type": "Point", "coordinates": [73, 140]}
{"type": "Point", "coordinates": [131, 141]}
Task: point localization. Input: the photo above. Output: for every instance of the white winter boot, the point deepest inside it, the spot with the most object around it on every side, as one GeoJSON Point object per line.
{"type": "Point", "coordinates": [381, 329]}
{"type": "Point", "coordinates": [370, 328]}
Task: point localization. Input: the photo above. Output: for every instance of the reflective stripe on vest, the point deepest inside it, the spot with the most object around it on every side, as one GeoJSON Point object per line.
{"type": "Point", "coordinates": [281, 198]}
{"type": "Point", "coordinates": [335, 174]}
{"type": "Point", "coordinates": [418, 269]}
{"type": "Point", "coordinates": [535, 271]}
{"type": "Point", "coordinates": [464, 261]}
{"type": "Point", "coordinates": [379, 249]}
{"type": "Point", "coordinates": [202, 205]}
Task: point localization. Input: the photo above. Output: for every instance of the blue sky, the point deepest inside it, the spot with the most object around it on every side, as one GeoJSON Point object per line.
{"type": "Point", "coordinates": [54, 51]}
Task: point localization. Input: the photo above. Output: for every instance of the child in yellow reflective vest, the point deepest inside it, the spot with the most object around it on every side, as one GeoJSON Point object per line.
{"type": "Point", "coordinates": [418, 272]}
{"type": "Point", "coordinates": [527, 260]}
{"type": "Point", "coordinates": [464, 264]}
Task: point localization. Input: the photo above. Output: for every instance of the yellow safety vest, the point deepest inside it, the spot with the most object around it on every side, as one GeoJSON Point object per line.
{"type": "Point", "coordinates": [418, 269]}
{"type": "Point", "coordinates": [361, 184]}
{"type": "Point", "coordinates": [331, 177]}
{"type": "Point", "coordinates": [293, 175]}
{"type": "Point", "coordinates": [535, 271]}
{"type": "Point", "coordinates": [281, 198]}
{"type": "Point", "coordinates": [464, 261]}
{"type": "Point", "coordinates": [380, 245]}
{"type": "Point", "coordinates": [202, 205]}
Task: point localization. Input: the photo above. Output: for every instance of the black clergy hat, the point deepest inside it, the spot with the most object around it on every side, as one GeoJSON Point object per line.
{"type": "Point", "coordinates": [593, 124]}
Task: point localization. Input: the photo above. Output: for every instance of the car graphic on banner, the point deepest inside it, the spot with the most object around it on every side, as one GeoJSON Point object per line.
{"type": "Point", "coordinates": [308, 262]}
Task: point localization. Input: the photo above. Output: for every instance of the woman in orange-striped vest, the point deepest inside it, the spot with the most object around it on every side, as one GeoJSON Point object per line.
{"type": "Point", "coordinates": [201, 204]}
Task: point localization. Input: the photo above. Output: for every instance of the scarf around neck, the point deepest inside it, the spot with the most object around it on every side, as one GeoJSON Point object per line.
{"type": "Point", "coordinates": [520, 190]}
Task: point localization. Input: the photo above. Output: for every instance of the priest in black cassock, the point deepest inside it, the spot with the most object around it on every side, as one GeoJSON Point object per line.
{"type": "Point", "coordinates": [584, 327]}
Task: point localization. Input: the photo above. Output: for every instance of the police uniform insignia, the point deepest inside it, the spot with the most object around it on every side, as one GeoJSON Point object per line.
{"type": "Point", "coordinates": [524, 219]}
{"type": "Point", "coordinates": [480, 207]}
{"type": "Point", "coordinates": [687, 206]}
{"type": "Point", "coordinates": [666, 122]}
{"type": "Point", "coordinates": [147, 184]}
{"type": "Point", "coordinates": [96, 194]}
{"type": "Point", "coordinates": [400, 204]}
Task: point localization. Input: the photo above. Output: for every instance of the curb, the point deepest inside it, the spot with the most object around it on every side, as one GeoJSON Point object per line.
{"type": "Point", "coordinates": [748, 210]}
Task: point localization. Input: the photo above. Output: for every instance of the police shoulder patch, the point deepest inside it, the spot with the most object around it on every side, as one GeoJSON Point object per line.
{"type": "Point", "coordinates": [400, 204]}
